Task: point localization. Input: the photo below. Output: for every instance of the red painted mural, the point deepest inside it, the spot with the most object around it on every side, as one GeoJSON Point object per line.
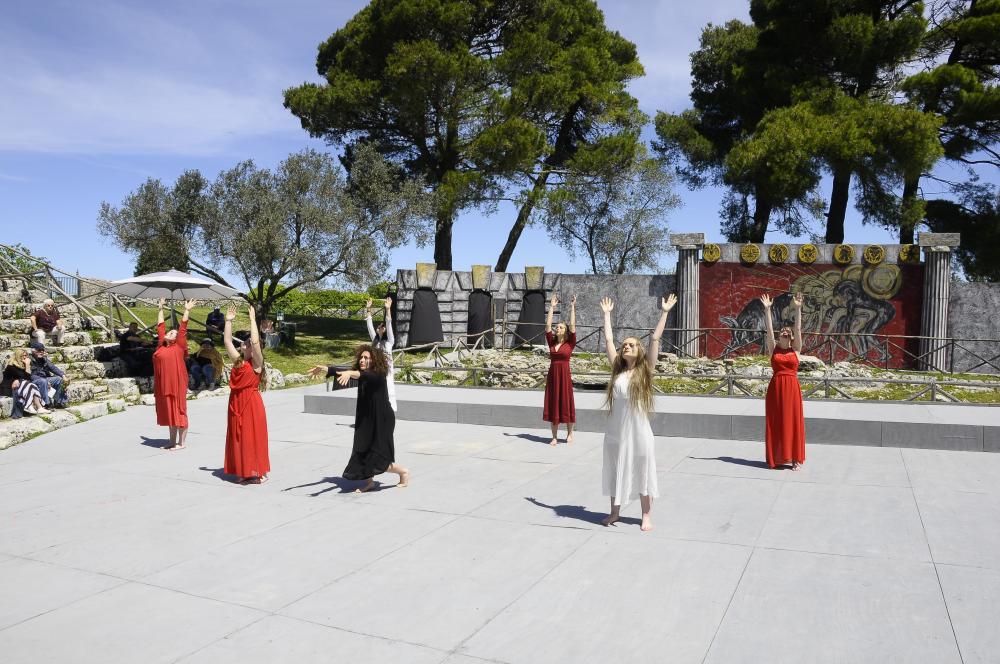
{"type": "Point", "coordinates": [853, 312]}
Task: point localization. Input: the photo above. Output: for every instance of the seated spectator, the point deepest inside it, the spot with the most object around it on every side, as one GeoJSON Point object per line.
{"type": "Point", "coordinates": [271, 337]}
{"type": "Point", "coordinates": [206, 365]}
{"type": "Point", "coordinates": [46, 376]}
{"type": "Point", "coordinates": [136, 352]}
{"type": "Point", "coordinates": [45, 322]}
{"type": "Point", "coordinates": [214, 322]}
{"type": "Point", "coordinates": [16, 383]}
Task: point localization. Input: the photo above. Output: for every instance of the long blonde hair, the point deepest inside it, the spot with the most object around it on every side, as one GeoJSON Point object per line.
{"type": "Point", "coordinates": [640, 384]}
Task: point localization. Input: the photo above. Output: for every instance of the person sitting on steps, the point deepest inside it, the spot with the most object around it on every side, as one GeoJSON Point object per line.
{"type": "Point", "coordinates": [45, 322]}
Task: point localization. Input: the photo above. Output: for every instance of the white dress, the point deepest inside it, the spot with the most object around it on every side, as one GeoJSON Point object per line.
{"type": "Point", "coordinates": [385, 345]}
{"type": "Point", "coordinates": [629, 454]}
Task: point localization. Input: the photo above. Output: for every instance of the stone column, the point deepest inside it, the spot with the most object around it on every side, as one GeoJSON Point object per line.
{"type": "Point", "coordinates": [688, 320]}
{"type": "Point", "coordinates": [934, 350]}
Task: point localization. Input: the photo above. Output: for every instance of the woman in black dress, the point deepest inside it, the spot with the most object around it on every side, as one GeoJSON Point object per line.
{"type": "Point", "coordinates": [373, 452]}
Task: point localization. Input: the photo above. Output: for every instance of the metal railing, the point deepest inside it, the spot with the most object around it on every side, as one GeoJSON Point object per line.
{"type": "Point", "coordinates": [830, 347]}
{"type": "Point", "coordinates": [730, 384]}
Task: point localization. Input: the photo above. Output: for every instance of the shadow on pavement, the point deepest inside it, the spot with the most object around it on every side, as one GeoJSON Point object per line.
{"type": "Point", "coordinates": [753, 463]}
{"type": "Point", "coordinates": [581, 513]}
{"type": "Point", "coordinates": [345, 486]}
{"type": "Point", "coordinates": [155, 442]}
{"type": "Point", "coordinates": [221, 474]}
{"type": "Point", "coordinates": [530, 436]}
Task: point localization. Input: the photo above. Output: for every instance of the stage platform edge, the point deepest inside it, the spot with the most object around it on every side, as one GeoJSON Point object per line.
{"type": "Point", "coordinates": [922, 425]}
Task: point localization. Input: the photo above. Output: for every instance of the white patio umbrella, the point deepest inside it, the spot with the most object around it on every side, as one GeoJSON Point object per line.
{"type": "Point", "coordinates": [173, 285]}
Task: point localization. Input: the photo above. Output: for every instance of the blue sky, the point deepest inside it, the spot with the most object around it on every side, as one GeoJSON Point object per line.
{"type": "Point", "coordinates": [100, 95]}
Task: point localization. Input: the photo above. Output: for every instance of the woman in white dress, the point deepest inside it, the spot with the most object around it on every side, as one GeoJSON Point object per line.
{"type": "Point", "coordinates": [629, 456]}
{"type": "Point", "coordinates": [383, 340]}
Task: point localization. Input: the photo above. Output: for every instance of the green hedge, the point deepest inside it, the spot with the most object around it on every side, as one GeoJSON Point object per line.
{"type": "Point", "coordinates": [306, 302]}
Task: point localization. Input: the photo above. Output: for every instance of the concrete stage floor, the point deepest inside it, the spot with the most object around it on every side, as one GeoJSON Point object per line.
{"type": "Point", "coordinates": [968, 427]}
{"type": "Point", "coordinates": [112, 550]}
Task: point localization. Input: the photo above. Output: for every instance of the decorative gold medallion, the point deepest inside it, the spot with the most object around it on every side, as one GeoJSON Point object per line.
{"type": "Point", "coordinates": [909, 253]}
{"type": "Point", "coordinates": [749, 253]}
{"type": "Point", "coordinates": [843, 254]}
{"type": "Point", "coordinates": [778, 253]}
{"type": "Point", "coordinates": [882, 282]}
{"type": "Point", "coordinates": [808, 253]}
{"type": "Point", "coordinates": [711, 253]}
{"type": "Point", "coordinates": [874, 254]}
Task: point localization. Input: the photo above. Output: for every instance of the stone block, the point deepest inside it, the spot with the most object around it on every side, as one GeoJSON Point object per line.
{"type": "Point", "coordinates": [295, 379]}
{"type": "Point", "coordinates": [692, 425]}
{"type": "Point", "coordinates": [428, 411]}
{"type": "Point", "coordinates": [19, 325]}
{"type": "Point", "coordinates": [122, 387]}
{"type": "Point", "coordinates": [748, 427]}
{"type": "Point", "coordinates": [106, 352]}
{"type": "Point", "coordinates": [79, 391]}
{"type": "Point", "coordinates": [74, 353]}
{"type": "Point", "coordinates": [59, 419]}
{"type": "Point", "coordinates": [963, 437]}
{"type": "Point", "coordinates": [843, 432]}
{"type": "Point", "coordinates": [275, 379]}
{"type": "Point", "coordinates": [6, 441]}
{"type": "Point", "coordinates": [6, 407]}
{"type": "Point", "coordinates": [681, 239]}
{"type": "Point", "coordinates": [319, 404]}
{"type": "Point", "coordinates": [116, 405]}
{"type": "Point", "coordinates": [7, 342]}
{"type": "Point", "coordinates": [939, 239]}
{"type": "Point", "coordinates": [150, 400]}
{"type": "Point", "coordinates": [24, 428]}
{"type": "Point", "coordinates": [991, 439]}
{"type": "Point", "coordinates": [89, 411]}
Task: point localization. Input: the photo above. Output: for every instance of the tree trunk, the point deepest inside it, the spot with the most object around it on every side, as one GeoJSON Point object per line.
{"type": "Point", "coordinates": [838, 204]}
{"type": "Point", "coordinates": [522, 220]}
{"type": "Point", "coordinates": [761, 216]}
{"type": "Point", "coordinates": [907, 225]}
{"type": "Point", "coordinates": [442, 239]}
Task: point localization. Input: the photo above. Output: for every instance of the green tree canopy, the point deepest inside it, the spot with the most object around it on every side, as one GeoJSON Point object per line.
{"type": "Point", "coordinates": [297, 226]}
{"type": "Point", "coordinates": [614, 215]}
{"type": "Point", "coordinates": [418, 80]}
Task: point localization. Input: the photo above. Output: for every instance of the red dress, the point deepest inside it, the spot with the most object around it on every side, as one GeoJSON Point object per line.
{"type": "Point", "coordinates": [170, 379]}
{"type": "Point", "coordinates": [786, 428]}
{"type": "Point", "coordinates": [559, 405]}
{"type": "Point", "coordinates": [246, 433]}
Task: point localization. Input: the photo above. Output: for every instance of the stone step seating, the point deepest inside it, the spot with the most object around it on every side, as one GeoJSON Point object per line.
{"type": "Point", "coordinates": [97, 386]}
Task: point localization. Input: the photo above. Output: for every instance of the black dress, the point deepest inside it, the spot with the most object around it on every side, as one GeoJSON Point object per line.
{"type": "Point", "coordinates": [373, 451]}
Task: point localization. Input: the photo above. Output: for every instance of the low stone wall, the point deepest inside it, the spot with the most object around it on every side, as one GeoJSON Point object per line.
{"type": "Point", "coordinates": [637, 302]}
{"type": "Point", "coordinates": [974, 313]}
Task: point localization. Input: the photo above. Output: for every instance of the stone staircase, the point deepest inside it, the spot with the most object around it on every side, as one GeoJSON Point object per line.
{"type": "Point", "coordinates": [98, 384]}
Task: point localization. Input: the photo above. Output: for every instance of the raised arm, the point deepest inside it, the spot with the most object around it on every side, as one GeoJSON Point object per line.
{"type": "Point", "coordinates": [368, 319]}
{"type": "Point", "coordinates": [182, 330]}
{"type": "Point", "coordinates": [572, 315]}
{"type": "Point", "coordinates": [390, 338]}
{"type": "Point", "coordinates": [188, 306]}
{"type": "Point", "coordinates": [256, 356]}
{"type": "Point", "coordinates": [609, 339]}
{"type": "Point", "coordinates": [768, 324]}
{"type": "Point", "coordinates": [797, 341]}
{"type": "Point", "coordinates": [344, 377]}
{"type": "Point", "coordinates": [553, 301]}
{"type": "Point", "coordinates": [227, 334]}
{"type": "Point", "coordinates": [654, 346]}
{"type": "Point", "coordinates": [161, 327]}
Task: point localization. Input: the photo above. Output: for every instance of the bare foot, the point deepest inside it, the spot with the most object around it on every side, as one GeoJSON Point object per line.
{"type": "Point", "coordinates": [610, 519]}
{"type": "Point", "coordinates": [553, 441]}
{"type": "Point", "coordinates": [796, 466]}
{"type": "Point", "coordinates": [404, 479]}
{"type": "Point", "coordinates": [369, 485]}
{"type": "Point", "coordinates": [647, 523]}
{"type": "Point", "coordinates": [569, 439]}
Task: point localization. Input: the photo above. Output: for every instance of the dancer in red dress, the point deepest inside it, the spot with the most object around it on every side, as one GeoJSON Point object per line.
{"type": "Point", "coordinates": [170, 377]}
{"type": "Point", "coordinates": [559, 405]}
{"type": "Point", "coordinates": [246, 431]}
{"type": "Point", "coordinates": [786, 429]}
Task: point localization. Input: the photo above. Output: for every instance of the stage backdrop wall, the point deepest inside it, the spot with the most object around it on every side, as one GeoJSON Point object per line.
{"type": "Point", "coordinates": [850, 300]}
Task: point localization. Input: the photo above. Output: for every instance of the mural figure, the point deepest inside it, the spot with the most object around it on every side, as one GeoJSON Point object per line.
{"type": "Point", "coordinates": [853, 302]}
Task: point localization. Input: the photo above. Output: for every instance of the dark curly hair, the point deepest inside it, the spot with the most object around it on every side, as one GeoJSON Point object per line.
{"type": "Point", "coordinates": [379, 363]}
